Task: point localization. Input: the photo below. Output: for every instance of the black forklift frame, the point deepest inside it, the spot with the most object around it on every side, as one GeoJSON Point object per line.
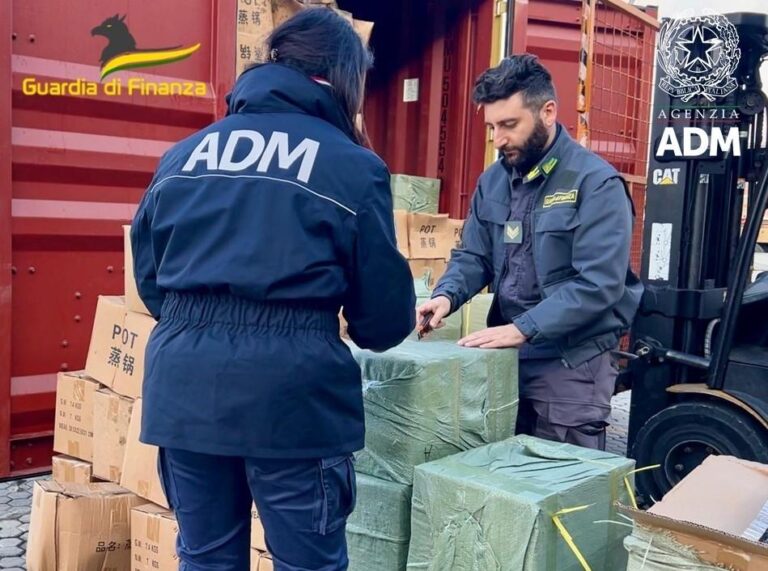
{"type": "Point", "coordinates": [696, 257]}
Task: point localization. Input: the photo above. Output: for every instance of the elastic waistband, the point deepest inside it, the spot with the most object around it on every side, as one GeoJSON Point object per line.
{"type": "Point", "coordinates": [232, 310]}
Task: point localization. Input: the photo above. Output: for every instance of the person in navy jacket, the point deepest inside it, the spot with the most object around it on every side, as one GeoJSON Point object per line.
{"type": "Point", "coordinates": [252, 235]}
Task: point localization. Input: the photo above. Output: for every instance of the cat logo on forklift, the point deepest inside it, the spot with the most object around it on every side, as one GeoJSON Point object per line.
{"type": "Point", "coordinates": [666, 177]}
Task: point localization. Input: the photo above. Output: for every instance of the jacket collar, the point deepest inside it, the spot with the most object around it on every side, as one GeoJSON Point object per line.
{"type": "Point", "coordinates": [549, 161]}
{"type": "Point", "coordinates": [275, 88]}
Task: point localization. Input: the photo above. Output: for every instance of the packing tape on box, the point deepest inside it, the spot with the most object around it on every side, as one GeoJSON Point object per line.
{"type": "Point", "coordinates": [153, 528]}
{"type": "Point", "coordinates": [114, 409]}
{"type": "Point", "coordinates": [144, 488]}
{"type": "Point", "coordinates": [69, 472]}
{"type": "Point", "coordinates": [79, 394]}
{"type": "Point", "coordinates": [73, 448]}
{"type": "Point", "coordinates": [114, 473]}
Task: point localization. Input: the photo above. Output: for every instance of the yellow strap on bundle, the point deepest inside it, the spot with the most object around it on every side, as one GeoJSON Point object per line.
{"type": "Point", "coordinates": [465, 323]}
{"type": "Point", "coordinates": [629, 487]}
{"type": "Point", "coordinates": [567, 536]}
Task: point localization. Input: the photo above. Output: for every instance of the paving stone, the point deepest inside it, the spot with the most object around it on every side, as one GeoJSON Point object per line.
{"type": "Point", "coordinates": [10, 542]}
{"type": "Point", "coordinates": [10, 552]}
{"type": "Point", "coordinates": [10, 532]}
{"type": "Point", "coordinates": [7, 562]}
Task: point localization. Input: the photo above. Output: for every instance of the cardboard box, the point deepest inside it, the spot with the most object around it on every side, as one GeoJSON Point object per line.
{"type": "Point", "coordinates": [257, 531]}
{"type": "Point", "coordinates": [68, 470]}
{"type": "Point", "coordinates": [254, 17]}
{"type": "Point", "coordinates": [73, 433]}
{"type": "Point", "coordinates": [153, 539]}
{"type": "Point", "coordinates": [82, 527]}
{"type": "Point", "coordinates": [132, 300]}
{"type": "Point", "coordinates": [118, 344]}
{"type": "Point", "coordinates": [711, 508]}
{"type": "Point", "coordinates": [429, 270]}
{"type": "Point", "coordinates": [254, 560]}
{"type": "Point", "coordinates": [265, 562]}
{"type": "Point", "coordinates": [401, 232]}
{"type": "Point", "coordinates": [111, 417]}
{"type": "Point", "coordinates": [429, 236]}
{"type": "Point", "coordinates": [140, 464]}
{"type": "Point", "coordinates": [283, 10]}
{"type": "Point", "coordinates": [456, 226]}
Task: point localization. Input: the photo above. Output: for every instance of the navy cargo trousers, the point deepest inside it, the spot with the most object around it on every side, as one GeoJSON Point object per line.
{"type": "Point", "coordinates": [303, 506]}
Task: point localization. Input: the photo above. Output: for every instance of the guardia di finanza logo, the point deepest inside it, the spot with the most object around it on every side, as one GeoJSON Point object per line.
{"type": "Point", "coordinates": [699, 56]}
{"type": "Point", "coordinates": [121, 51]}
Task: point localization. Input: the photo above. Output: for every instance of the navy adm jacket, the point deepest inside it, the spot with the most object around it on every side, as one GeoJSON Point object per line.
{"type": "Point", "coordinates": [251, 236]}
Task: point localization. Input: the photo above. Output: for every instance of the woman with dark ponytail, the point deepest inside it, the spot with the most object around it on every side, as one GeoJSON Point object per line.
{"type": "Point", "coordinates": [254, 232]}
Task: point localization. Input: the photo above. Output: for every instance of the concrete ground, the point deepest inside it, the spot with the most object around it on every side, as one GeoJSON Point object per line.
{"type": "Point", "coordinates": [16, 496]}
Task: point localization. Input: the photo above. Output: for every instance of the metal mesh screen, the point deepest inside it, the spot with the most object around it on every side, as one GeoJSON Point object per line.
{"type": "Point", "coordinates": [615, 91]}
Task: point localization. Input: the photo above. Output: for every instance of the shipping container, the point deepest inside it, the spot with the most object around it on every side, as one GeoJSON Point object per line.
{"type": "Point", "coordinates": [73, 166]}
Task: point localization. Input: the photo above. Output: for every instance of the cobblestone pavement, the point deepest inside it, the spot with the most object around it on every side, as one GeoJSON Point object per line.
{"type": "Point", "coordinates": [16, 496]}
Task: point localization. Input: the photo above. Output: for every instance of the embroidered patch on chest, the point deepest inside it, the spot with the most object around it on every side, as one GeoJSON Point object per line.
{"type": "Point", "coordinates": [566, 197]}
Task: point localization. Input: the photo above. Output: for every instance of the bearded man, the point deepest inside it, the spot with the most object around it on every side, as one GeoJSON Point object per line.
{"type": "Point", "coordinates": [549, 230]}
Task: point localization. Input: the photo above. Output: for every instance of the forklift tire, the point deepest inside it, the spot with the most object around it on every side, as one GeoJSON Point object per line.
{"type": "Point", "coordinates": [679, 438]}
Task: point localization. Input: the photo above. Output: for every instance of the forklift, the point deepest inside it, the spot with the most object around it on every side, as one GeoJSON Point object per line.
{"type": "Point", "coordinates": [698, 354]}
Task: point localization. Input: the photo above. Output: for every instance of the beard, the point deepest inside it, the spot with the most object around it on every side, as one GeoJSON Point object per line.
{"type": "Point", "coordinates": [523, 158]}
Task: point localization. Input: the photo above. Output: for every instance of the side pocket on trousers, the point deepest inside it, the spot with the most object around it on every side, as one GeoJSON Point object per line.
{"type": "Point", "coordinates": [339, 492]}
{"type": "Point", "coordinates": [164, 476]}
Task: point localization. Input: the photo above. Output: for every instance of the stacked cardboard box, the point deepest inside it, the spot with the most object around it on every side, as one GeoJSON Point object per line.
{"type": "Point", "coordinates": [425, 237]}
{"type": "Point", "coordinates": [257, 18]}
{"type": "Point", "coordinates": [98, 416]}
{"type": "Point", "coordinates": [260, 557]}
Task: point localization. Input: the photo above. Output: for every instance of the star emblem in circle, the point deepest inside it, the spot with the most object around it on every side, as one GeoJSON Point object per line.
{"type": "Point", "coordinates": [702, 43]}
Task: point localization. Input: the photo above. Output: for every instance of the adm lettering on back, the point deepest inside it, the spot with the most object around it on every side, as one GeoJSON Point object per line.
{"type": "Point", "coordinates": [259, 152]}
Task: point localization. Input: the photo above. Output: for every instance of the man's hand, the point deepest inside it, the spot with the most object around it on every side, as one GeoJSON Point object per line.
{"type": "Point", "coordinates": [495, 338]}
{"type": "Point", "coordinates": [439, 307]}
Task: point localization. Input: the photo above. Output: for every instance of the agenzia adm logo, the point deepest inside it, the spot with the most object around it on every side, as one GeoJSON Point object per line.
{"type": "Point", "coordinates": [121, 51]}
{"type": "Point", "coordinates": [699, 55]}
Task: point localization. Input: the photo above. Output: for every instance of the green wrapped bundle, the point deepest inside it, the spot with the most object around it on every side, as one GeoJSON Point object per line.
{"type": "Point", "coordinates": [415, 193]}
{"type": "Point", "coordinates": [379, 530]}
{"type": "Point", "coordinates": [424, 401]}
{"type": "Point", "coordinates": [491, 508]}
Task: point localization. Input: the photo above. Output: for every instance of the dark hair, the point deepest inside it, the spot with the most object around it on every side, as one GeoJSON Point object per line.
{"type": "Point", "coordinates": [516, 74]}
{"type": "Point", "coordinates": [320, 43]}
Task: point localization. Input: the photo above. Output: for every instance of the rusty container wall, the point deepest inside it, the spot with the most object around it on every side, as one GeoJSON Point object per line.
{"type": "Point", "coordinates": [551, 30]}
{"type": "Point", "coordinates": [444, 46]}
{"type": "Point", "coordinates": [72, 169]}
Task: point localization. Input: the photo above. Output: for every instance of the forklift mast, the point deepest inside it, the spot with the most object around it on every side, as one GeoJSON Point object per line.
{"type": "Point", "coordinates": [707, 166]}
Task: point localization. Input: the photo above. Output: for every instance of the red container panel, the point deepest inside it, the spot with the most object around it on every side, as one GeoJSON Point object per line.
{"type": "Point", "coordinates": [72, 169]}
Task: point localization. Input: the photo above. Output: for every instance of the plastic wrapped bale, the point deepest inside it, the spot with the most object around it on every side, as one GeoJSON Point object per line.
{"type": "Point", "coordinates": [379, 530]}
{"type": "Point", "coordinates": [425, 401]}
{"type": "Point", "coordinates": [492, 508]}
{"type": "Point", "coordinates": [474, 314]}
{"type": "Point", "coordinates": [451, 331]}
{"type": "Point", "coordinates": [415, 193]}
{"type": "Point", "coordinates": [655, 550]}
